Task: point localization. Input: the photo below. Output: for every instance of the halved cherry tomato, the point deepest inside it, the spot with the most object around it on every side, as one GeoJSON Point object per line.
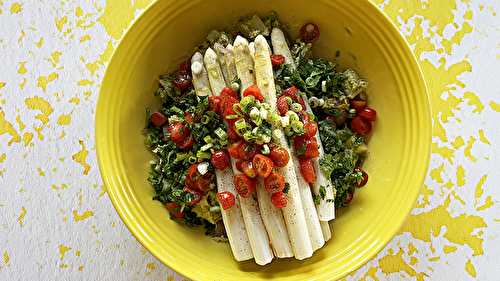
{"type": "Point", "coordinates": [274, 183]}
{"type": "Point", "coordinates": [187, 143]}
{"type": "Point", "coordinates": [282, 105]}
{"type": "Point", "coordinates": [292, 93]}
{"type": "Point", "coordinates": [192, 172]}
{"type": "Point", "coordinates": [369, 113]}
{"type": "Point", "coordinates": [306, 148]}
{"type": "Point", "coordinates": [231, 132]}
{"type": "Point", "coordinates": [227, 101]}
{"type": "Point", "coordinates": [365, 177]}
{"type": "Point", "coordinates": [248, 151]}
{"type": "Point", "coordinates": [226, 199]}
{"type": "Point", "coordinates": [309, 33]}
{"type": "Point", "coordinates": [186, 66]}
{"type": "Point", "coordinates": [311, 129]}
{"type": "Point", "coordinates": [206, 182]}
{"type": "Point", "coordinates": [189, 118]}
{"type": "Point", "coordinates": [253, 91]}
{"type": "Point", "coordinates": [358, 105]}
{"type": "Point", "coordinates": [196, 193]}
{"type": "Point", "coordinates": [349, 198]}
{"type": "Point", "coordinates": [228, 92]}
{"type": "Point", "coordinates": [214, 103]}
{"type": "Point", "coordinates": [279, 199]}
{"type": "Point", "coordinates": [229, 113]}
{"type": "Point", "coordinates": [361, 126]}
{"type": "Point", "coordinates": [234, 148]}
{"type": "Point", "coordinates": [178, 132]}
{"type": "Point", "coordinates": [276, 60]}
{"type": "Point", "coordinates": [280, 156]}
{"type": "Point", "coordinates": [181, 79]}
{"type": "Point", "coordinates": [246, 167]}
{"type": "Point", "coordinates": [175, 209]}
{"type": "Point", "coordinates": [220, 159]}
{"type": "Point", "coordinates": [262, 165]}
{"type": "Point", "coordinates": [245, 185]}
{"type": "Point", "coordinates": [307, 170]}
{"type": "Point", "coordinates": [158, 118]}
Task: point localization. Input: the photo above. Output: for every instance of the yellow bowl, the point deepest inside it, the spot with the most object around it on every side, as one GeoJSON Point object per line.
{"type": "Point", "coordinates": [399, 147]}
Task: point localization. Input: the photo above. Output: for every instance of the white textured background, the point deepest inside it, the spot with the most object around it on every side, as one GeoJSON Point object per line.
{"type": "Point", "coordinates": [57, 222]}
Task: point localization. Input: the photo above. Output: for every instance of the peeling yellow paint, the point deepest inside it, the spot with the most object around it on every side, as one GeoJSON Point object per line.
{"type": "Point", "coordinates": [16, 8]}
{"type": "Point", "coordinates": [474, 100]}
{"type": "Point", "coordinates": [85, 215]}
{"type": "Point", "coordinates": [412, 249]}
{"type": "Point", "coordinates": [75, 100]}
{"type": "Point", "coordinates": [413, 261]}
{"type": "Point", "coordinates": [22, 84]}
{"type": "Point", "coordinates": [470, 268]}
{"type": "Point", "coordinates": [21, 124]}
{"type": "Point", "coordinates": [117, 16]}
{"type": "Point", "coordinates": [482, 138]}
{"type": "Point", "coordinates": [449, 249]}
{"type": "Point", "coordinates": [81, 156]}
{"type": "Point", "coordinates": [6, 257]}
{"type": "Point", "coordinates": [395, 263]}
{"type": "Point", "coordinates": [63, 250]}
{"type": "Point", "coordinates": [21, 217]}
{"type": "Point", "coordinates": [458, 229]}
{"type": "Point", "coordinates": [3, 157]}
{"type": "Point", "coordinates": [436, 173]}
{"type": "Point", "coordinates": [40, 172]}
{"type": "Point", "coordinates": [8, 128]}
{"type": "Point", "coordinates": [85, 38]}
{"type": "Point", "coordinates": [78, 12]}
{"type": "Point", "coordinates": [39, 43]}
{"type": "Point", "coordinates": [43, 80]}
{"type": "Point", "coordinates": [486, 205]}
{"type": "Point", "coordinates": [495, 106]}
{"type": "Point", "coordinates": [479, 188]}
{"type": "Point", "coordinates": [458, 142]}
{"type": "Point", "coordinates": [64, 119]}
{"type": "Point", "coordinates": [38, 103]}
{"type": "Point", "coordinates": [22, 69]}
{"type": "Point", "coordinates": [85, 82]}
{"type": "Point", "coordinates": [103, 191]}
{"type": "Point", "coordinates": [460, 176]}
{"type": "Point", "coordinates": [468, 149]}
{"type": "Point", "coordinates": [60, 22]}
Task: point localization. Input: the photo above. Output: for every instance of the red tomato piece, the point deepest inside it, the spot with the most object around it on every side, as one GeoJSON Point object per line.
{"type": "Point", "coordinates": [246, 167]}
{"type": "Point", "coordinates": [187, 143]}
{"type": "Point", "coordinates": [231, 132]}
{"type": "Point", "coordinates": [361, 126]}
{"type": "Point", "coordinates": [230, 115]}
{"type": "Point", "coordinates": [178, 132]}
{"type": "Point", "coordinates": [358, 105]}
{"type": "Point", "coordinates": [253, 91]}
{"type": "Point", "coordinates": [280, 156]}
{"type": "Point", "coordinates": [307, 170]}
{"type": "Point", "coordinates": [206, 182]}
{"type": "Point", "coordinates": [214, 103]}
{"type": "Point", "coordinates": [226, 199]}
{"type": "Point", "coordinates": [186, 66]}
{"type": "Point", "coordinates": [292, 92]}
{"type": "Point", "coordinates": [275, 182]}
{"type": "Point", "coordinates": [246, 152]}
{"type": "Point", "coordinates": [349, 198]}
{"type": "Point", "coordinates": [279, 199]}
{"type": "Point", "coordinates": [276, 60]}
{"type": "Point", "coordinates": [262, 165]}
{"type": "Point", "coordinates": [282, 105]}
{"type": "Point", "coordinates": [306, 148]}
{"type": "Point", "coordinates": [369, 113]}
{"type": "Point", "coordinates": [175, 210]}
{"type": "Point", "coordinates": [220, 159]}
{"type": "Point", "coordinates": [181, 79]}
{"type": "Point", "coordinates": [245, 185]}
{"type": "Point", "coordinates": [365, 177]}
{"type": "Point", "coordinates": [309, 33]}
{"type": "Point", "coordinates": [234, 148]}
{"type": "Point", "coordinates": [228, 92]}
{"type": "Point", "coordinates": [311, 129]}
{"type": "Point", "coordinates": [227, 101]}
{"type": "Point", "coordinates": [158, 118]}
{"type": "Point", "coordinates": [197, 194]}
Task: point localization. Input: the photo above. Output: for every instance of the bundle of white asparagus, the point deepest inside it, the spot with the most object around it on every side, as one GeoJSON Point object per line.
{"type": "Point", "coordinates": [256, 228]}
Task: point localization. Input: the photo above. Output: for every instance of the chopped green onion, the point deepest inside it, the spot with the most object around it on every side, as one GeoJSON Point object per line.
{"type": "Point", "coordinates": [213, 71]}
{"type": "Point", "coordinates": [292, 115]}
{"type": "Point", "coordinates": [285, 121]}
{"type": "Point", "coordinates": [296, 107]}
{"type": "Point", "coordinates": [265, 149]}
{"type": "Point", "coordinates": [237, 109]}
{"type": "Point", "coordinates": [208, 139]}
{"type": "Point", "coordinates": [192, 159]}
{"type": "Point", "coordinates": [221, 134]}
{"type": "Point", "coordinates": [277, 134]}
{"type": "Point", "coordinates": [203, 154]}
{"type": "Point", "coordinates": [266, 138]}
{"type": "Point", "coordinates": [205, 119]}
{"type": "Point", "coordinates": [254, 113]}
{"type": "Point", "coordinates": [180, 156]}
{"type": "Point", "coordinates": [297, 126]}
{"type": "Point", "coordinates": [215, 209]}
{"type": "Point", "coordinates": [288, 100]}
{"type": "Point", "coordinates": [232, 116]}
{"type": "Point", "coordinates": [206, 146]}
{"type": "Point", "coordinates": [240, 124]}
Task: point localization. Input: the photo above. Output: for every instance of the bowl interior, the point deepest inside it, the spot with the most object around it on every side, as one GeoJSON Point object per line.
{"type": "Point", "coordinates": [399, 146]}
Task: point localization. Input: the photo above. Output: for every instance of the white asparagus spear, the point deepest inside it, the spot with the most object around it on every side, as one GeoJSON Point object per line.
{"type": "Point", "coordinates": [257, 234]}
{"type": "Point", "coordinates": [232, 218]}
{"type": "Point", "coordinates": [313, 223]}
{"type": "Point", "coordinates": [293, 213]}
{"type": "Point", "coordinates": [244, 62]}
{"type": "Point", "coordinates": [280, 47]}
{"type": "Point", "coordinates": [327, 233]}
{"type": "Point", "coordinates": [230, 63]}
{"type": "Point", "coordinates": [271, 216]}
{"type": "Point", "coordinates": [274, 222]}
{"type": "Point", "coordinates": [200, 75]}
{"type": "Point", "coordinates": [326, 207]}
{"type": "Point", "coordinates": [221, 57]}
{"type": "Point", "coordinates": [215, 76]}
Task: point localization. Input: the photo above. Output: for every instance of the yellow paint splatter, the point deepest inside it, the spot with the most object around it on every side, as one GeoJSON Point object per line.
{"type": "Point", "coordinates": [413, 261]}
{"type": "Point", "coordinates": [39, 43]}
{"type": "Point", "coordinates": [395, 263]}
{"type": "Point", "coordinates": [458, 142]}
{"type": "Point", "coordinates": [85, 38]}
{"type": "Point", "coordinates": [21, 124]}
{"type": "Point", "coordinates": [92, 67]}
{"type": "Point", "coordinates": [117, 16]}
{"type": "Point", "coordinates": [78, 12]}
{"type": "Point", "coordinates": [103, 191]}
{"type": "Point", "coordinates": [63, 250]}
{"type": "Point", "coordinates": [436, 173]}
{"type": "Point", "coordinates": [458, 231]}
{"type": "Point", "coordinates": [40, 172]}
{"type": "Point", "coordinates": [468, 149]}
{"type": "Point", "coordinates": [460, 176]}
{"type": "Point", "coordinates": [2, 84]}
{"type": "Point", "coordinates": [21, 217]}
{"type": "Point", "coordinates": [43, 80]}
{"type": "Point", "coordinates": [81, 156]}
{"type": "Point", "coordinates": [64, 119]}
{"type": "Point", "coordinates": [63, 265]}
{"type": "Point", "coordinates": [85, 215]}
{"type": "Point", "coordinates": [479, 188]}
{"type": "Point", "coordinates": [412, 249]}
{"type": "Point", "coordinates": [22, 84]}
{"type": "Point", "coordinates": [75, 100]}
{"type": "Point", "coordinates": [80, 268]}
{"type": "Point", "coordinates": [495, 106]}
{"type": "Point", "coordinates": [6, 257]}
{"type": "Point", "coordinates": [474, 100]}
{"type": "Point", "coordinates": [470, 268]}
{"type": "Point", "coordinates": [8, 128]}
{"type": "Point", "coordinates": [85, 82]}
{"type": "Point", "coordinates": [444, 151]}
{"type": "Point", "coordinates": [63, 186]}
{"type": "Point", "coordinates": [434, 259]}
{"type": "Point", "coordinates": [486, 205]}
{"type": "Point", "coordinates": [38, 103]}
{"type": "Point", "coordinates": [3, 157]}
{"type": "Point", "coordinates": [60, 22]}
{"type": "Point", "coordinates": [22, 69]}
{"type": "Point", "coordinates": [449, 249]}
{"type": "Point", "coordinates": [482, 138]}
{"type": "Point", "coordinates": [78, 253]}
{"type": "Point", "coordinates": [16, 8]}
